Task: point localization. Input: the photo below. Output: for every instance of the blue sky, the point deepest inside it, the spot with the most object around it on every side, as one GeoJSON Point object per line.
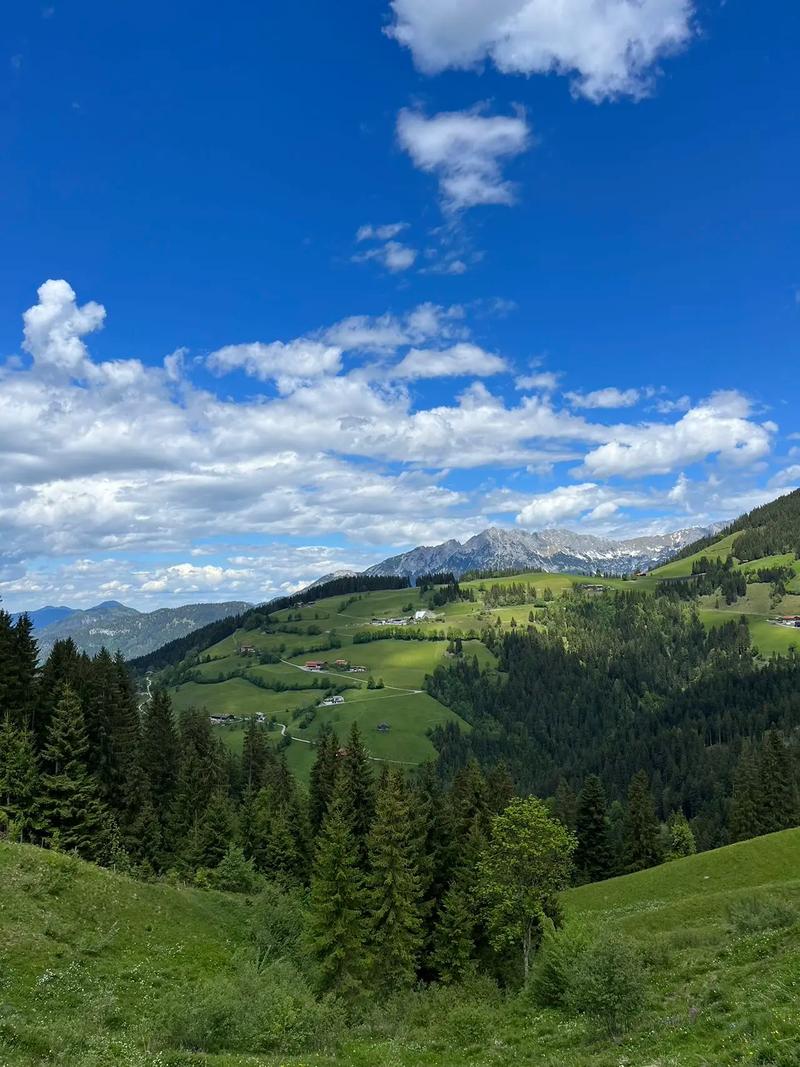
{"type": "Point", "coordinates": [328, 281]}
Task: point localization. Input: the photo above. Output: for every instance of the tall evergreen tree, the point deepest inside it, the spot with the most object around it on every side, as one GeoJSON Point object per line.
{"type": "Point", "coordinates": [778, 791]}
{"type": "Point", "coordinates": [159, 752]}
{"type": "Point", "coordinates": [396, 932]}
{"type": "Point", "coordinates": [593, 856]}
{"type": "Point", "coordinates": [356, 788]}
{"type": "Point", "coordinates": [19, 781]}
{"type": "Point", "coordinates": [565, 804]}
{"type": "Point", "coordinates": [71, 809]}
{"type": "Point", "coordinates": [642, 830]}
{"type": "Point", "coordinates": [338, 903]}
{"type": "Point", "coordinates": [746, 806]}
{"type": "Point", "coordinates": [256, 754]}
{"type": "Point", "coordinates": [323, 777]}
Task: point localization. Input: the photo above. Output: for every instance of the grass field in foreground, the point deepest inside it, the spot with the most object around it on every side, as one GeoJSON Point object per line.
{"type": "Point", "coordinates": [90, 959]}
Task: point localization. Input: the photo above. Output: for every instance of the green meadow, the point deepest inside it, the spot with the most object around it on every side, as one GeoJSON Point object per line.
{"type": "Point", "coordinates": [100, 970]}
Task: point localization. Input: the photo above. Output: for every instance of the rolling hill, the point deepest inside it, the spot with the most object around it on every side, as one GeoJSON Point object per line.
{"type": "Point", "coordinates": [99, 969]}
{"type": "Point", "coordinates": [117, 627]}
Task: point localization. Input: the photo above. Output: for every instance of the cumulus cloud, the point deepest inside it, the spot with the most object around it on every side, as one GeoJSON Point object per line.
{"type": "Point", "coordinates": [53, 328]}
{"type": "Point", "coordinates": [588, 499]}
{"type": "Point", "coordinates": [465, 150]}
{"type": "Point", "coordinates": [286, 363]}
{"type": "Point", "coordinates": [459, 360]}
{"type": "Point", "coordinates": [610, 47]}
{"type": "Point", "coordinates": [545, 380]}
{"type": "Point", "coordinates": [604, 398]}
{"type": "Point", "coordinates": [123, 457]}
{"type": "Point", "coordinates": [717, 426]}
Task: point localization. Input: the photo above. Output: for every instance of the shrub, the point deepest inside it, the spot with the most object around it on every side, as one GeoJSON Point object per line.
{"type": "Point", "coordinates": [235, 874]}
{"type": "Point", "coordinates": [272, 1010]}
{"type": "Point", "coordinates": [608, 983]}
{"type": "Point", "coordinates": [278, 925]}
{"type": "Point", "coordinates": [751, 914]}
{"type": "Point", "coordinates": [556, 963]}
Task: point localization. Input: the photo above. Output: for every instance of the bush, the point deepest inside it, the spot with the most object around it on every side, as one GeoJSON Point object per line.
{"type": "Point", "coordinates": [278, 925]}
{"type": "Point", "coordinates": [608, 983]}
{"type": "Point", "coordinates": [235, 874]}
{"type": "Point", "coordinates": [272, 1010]}
{"type": "Point", "coordinates": [755, 913]}
{"type": "Point", "coordinates": [556, 963]}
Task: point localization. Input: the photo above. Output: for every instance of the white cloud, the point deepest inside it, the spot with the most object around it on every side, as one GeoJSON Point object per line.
{"type": "Point", "coordinates": [386, 333]}
{"type": "Point", "coordinates": [386, 232]}
{"type": "Point", "coordinates": [588, 499]}
{"type": "Point", "coordinates": [394, 255]}
{"type": "Point", "coordinates": [53, 328]}
{"type": "Point", "coordinates": [610, 46]}
{"type": "Point", "coordinates": [133, 458]}
{"type": "Point", "coordinates": [288, 363]}
{"type": "Point", "coordinates": [717, 426]}
{"type": "Point", "coordinates": [544, 380]}
{"type": "Point", "coordinates": [461, 359]}
{"type": "Point", "coordinates": [610, 397]}
{"type": "Point", "coordinates": [465, 150]}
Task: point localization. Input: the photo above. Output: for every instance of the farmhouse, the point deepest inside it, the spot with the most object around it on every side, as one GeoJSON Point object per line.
{"type": "Point", "coordinates": [316, 664]}
{"type": "Point", "coordinates": [343, 664]}
{"type": "Point", "coordinates": [329, 701]}
{"type": "Point", "coordinates": [222, 720]}
{"type": "Point", "coordinates": [423, 616]}
{"type": "Point", "coordinates": [247, 650]}
{"type": "Point", "coordinates": [789, 620]}
{"type": "Point", "coordinates": [390, 622]}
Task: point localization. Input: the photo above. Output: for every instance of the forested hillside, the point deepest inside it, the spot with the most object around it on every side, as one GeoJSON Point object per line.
{"type": "Point", "coordinates": [769, 530]}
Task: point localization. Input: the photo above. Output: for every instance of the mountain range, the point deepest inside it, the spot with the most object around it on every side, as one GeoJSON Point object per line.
{"type": "Point", "coordinates": [117, 627]}
{"type": "Point", "coordinates": [548, 550]}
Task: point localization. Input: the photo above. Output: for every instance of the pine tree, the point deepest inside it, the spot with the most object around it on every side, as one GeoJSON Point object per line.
{"type": "Point", "coordinates": [337, 916]}
{"type": "Point", "coordinates": [64, 666]}
{"type": "Point", "coordinates": [18, 659]}
{"type": "Point", "coordinates": [199, 778]}
{"type": "Point", "coordinates": [453, 955]}
{"type": "Point", "coordinates": [746, 806]}
{"type": "Point", "coordinates": [214, 832]}
{"type": "Point", "coordinates": [778, 793]}
{"type": "Point", "coordinates": [159, 752]}
{"type": "Point", "coordinates": [19, 781]}
{"type": "Point", "coordinates": [499, 788]}
{"type": "Point", "coordinates": [356, 789]}
{"type": "Point", "coordinates": [565, 804]}
{"type": "Point", "coordinates": [642, 837]}
{"type": "Point", "coordinates": [71, 810]}
{"type": "Point", "coordinates": [255, 756]}
{"type": "Point", "coordinates": [396, 933]}
{"type": "Point", "coordinates": [323, 777]}
{"type": "Point", "coordinates": [593, 857]}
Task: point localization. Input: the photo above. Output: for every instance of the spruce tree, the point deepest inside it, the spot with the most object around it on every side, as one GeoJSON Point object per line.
{"type": "Point", "coordinates": [395, 928]}
{"type": "Point", "coordinates": [746, 806]}
{"type": "Point", "coordinates": [593, 856]}
{"type": "Point", "coordinates": [323, 777]}
{"type": "Point", "coordinates": [19, 781]}
{"type": "Point", "coordinates": [453, 955]}
{"type": "Point", "coordinates": [778, 793]}
{"type": "Point", "coordinates": [642, 830]}
{"type": "Point", "coordinates": [255, 756]}
{"type": "Point", "coordinates": [71, 811]}
{"type": "Point", "coordinates": [565, 804]}
{"type": "Point", "coordinates": [356, 789]}
{"type": "Point", "coordinates": [159, 752]}
{"type": "Point", "coordinates": [337, 923]}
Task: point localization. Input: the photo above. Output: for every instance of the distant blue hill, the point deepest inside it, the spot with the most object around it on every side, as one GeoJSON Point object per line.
{"type": "Point", "coordinates": [45, 616]}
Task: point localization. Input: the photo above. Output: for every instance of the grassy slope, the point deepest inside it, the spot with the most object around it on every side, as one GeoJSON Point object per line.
{"type": "Point", "coordinates": [88, 954]}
